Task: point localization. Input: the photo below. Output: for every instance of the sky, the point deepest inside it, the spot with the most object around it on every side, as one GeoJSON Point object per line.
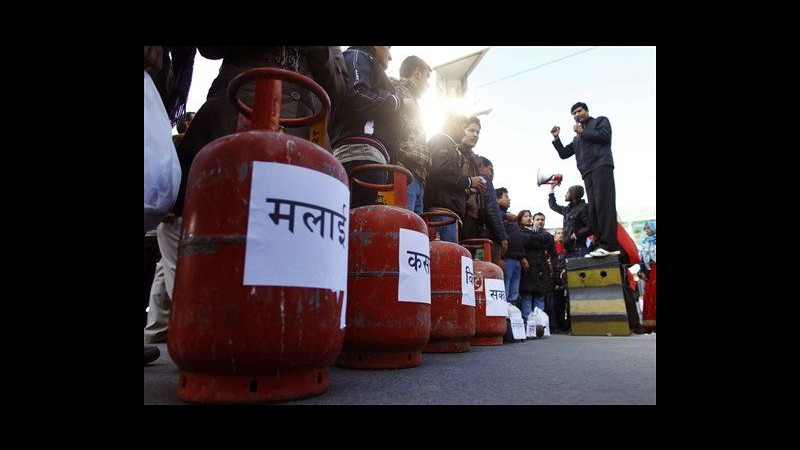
{"type": "Point", "coordinates": [543, 82]}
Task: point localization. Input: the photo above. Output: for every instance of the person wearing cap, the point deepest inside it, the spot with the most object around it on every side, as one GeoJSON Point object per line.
{"type": "Point", "coordinates": [592, 149]}
{"type": "Point", "coordinates": [576, 220]}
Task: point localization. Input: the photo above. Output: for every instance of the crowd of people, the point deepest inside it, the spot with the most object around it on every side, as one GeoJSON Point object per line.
{"type": "Point", "coordinates": [375, 118]}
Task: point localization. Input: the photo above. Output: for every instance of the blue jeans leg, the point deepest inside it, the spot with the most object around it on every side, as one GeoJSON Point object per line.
{"type": "Point", "coordinates": [414, 196]}
{"type": "Point", "coordinates": [448, 232]}
{"type": "Point", "coordinates": [511, 278]}
{"type": "Point", "coordinates": [538, 301]}
{"type": "Point", "coordinates": [527, 298]}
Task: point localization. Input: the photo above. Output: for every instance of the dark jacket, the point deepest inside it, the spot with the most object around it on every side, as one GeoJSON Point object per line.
{"type": "Point", "coordinates": [559, 265]}
{"type": "Point", "coordinates": [592, 148]}
{"type": "Point", "coordinates": [491, 220]}
{"type": "Point", "coordinates": [489, 223]}
{"type": "Point", "coordinates": [514, 234]}
{"type": "Point", "coordinates": [296, 101]}
{"type": "Point", "coordinates": [537, 279]}
{"type": "Point", "coordinates": [482, 216]}
{"type": "Point", "coordinates": [447, 187]}
{"type": "Point", "coordinates": [370, 109]}
{"type": "Point", "coordinates": [576, 220]}
{"type": "Point", "coordinates": [218, 116]}
{"type": "Point", "coordinates": [175, 79]}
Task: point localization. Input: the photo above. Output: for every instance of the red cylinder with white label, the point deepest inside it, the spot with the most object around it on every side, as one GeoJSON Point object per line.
{"type": "Point", "coordinates": [491, 308]}
{"type": "Point", "coordinates": [246, 327]}
{"type": "Point", "coordinates": [388, 287]}
{"type": "Point", "coordinates": [452, 292]}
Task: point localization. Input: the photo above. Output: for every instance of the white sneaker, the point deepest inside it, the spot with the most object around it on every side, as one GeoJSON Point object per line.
{"type": "Point", "coordinates": [603, 252]}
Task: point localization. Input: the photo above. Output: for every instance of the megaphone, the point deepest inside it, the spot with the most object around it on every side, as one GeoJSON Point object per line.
{"type": "Point", "coordinates": [554, 179]}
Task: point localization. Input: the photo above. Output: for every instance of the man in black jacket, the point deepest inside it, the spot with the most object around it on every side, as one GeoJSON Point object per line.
{"type": "Point", "coordinates": [447, 188]}
{"type": "Point", "coordinates": [366, 122]}
{"type": "Point", "coordinates": [512, 262]}
{"type": "Point", "coordinates": [492, 218]}
{"type": "Point", "coordinates": [537, 279]}
{"type": "Point", "coordinates": [576, 220]}
{"type": "Point", "coordinates": [592, 149]}
{"type": "Point", "coordinates": [482, 217]}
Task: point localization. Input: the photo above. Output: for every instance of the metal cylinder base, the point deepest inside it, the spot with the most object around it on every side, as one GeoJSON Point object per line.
{"type": "Point", "coordinates": [447, 347]}
{"type": "Point", "coordinates": [226, 389]}
{"type": "Point", "coordinates": [490, 340]}
{"type": "Point", "coordinates": [402, 360]}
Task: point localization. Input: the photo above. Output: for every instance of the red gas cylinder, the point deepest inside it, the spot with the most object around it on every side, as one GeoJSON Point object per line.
{"type": "Point", "coordinates": [265, 213]}
{"type": "Point", "coordinates": [452, 292]}
{"type": "Point", "coordinates": [388, 283]}
{"type": "Point", "coordinates": [490, 316]}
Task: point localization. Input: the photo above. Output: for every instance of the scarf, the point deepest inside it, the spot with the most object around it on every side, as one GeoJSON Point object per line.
{"type": "Point", "coordinates": [648, 250]}
{"type": "Point", "coordinates": [652, 225]}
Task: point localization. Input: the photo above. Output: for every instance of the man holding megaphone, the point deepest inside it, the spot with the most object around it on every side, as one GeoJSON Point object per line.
{"type": "Point", "coordinates": [592, 149]}
{"type": "Point", "coordinates": [576, 220]}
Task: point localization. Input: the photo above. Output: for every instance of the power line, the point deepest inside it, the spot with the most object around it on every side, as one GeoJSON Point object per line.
{"type": "Point", "coordinates": [541, 65]}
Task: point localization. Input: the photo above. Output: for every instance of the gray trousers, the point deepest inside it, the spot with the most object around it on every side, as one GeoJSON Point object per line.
{"type": "Point", "coordinates": [160, 305]}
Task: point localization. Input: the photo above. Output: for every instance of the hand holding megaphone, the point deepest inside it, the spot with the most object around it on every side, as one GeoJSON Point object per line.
{"type": "Point", "coordinates": [554, 179]}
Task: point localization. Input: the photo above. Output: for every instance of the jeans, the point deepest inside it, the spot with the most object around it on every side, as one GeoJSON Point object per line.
{"type": "Point", "coordinates": [414, 194]}
{"type": "Point", "coordinates": [511, 277]}
{"type": "Point", "coordinates": [446, 233]}
{"type": "Point", "coordinates": [527, 299]}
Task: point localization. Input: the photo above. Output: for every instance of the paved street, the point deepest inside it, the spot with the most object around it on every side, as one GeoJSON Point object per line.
{"type": "Point", "coordinates": [559, 370]}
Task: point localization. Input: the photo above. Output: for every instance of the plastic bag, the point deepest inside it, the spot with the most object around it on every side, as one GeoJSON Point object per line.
{"type": "Point", "coordinates": [538, 324]}
{"type": "Point", "coordinates": [162, 170]}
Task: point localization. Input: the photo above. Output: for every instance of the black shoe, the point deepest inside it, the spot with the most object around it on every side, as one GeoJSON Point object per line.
{"type": "Point", "coordinates": [638, 330]}
{"type": "Point", "coordinates": [151, 354]}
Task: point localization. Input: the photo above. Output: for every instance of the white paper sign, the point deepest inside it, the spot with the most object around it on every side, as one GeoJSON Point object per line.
{"type": "Point", "coordinates": [495, 291]}
{"type": "Point", "coordinates": [531, 330]}
{"type": "Point", "coordinates": [518, 328]}
{"type": "Point", "coordinates": [297, 230]}
{"type": "Point", "coordinates": [415, 267]}
{"type": "Point", "coordinates": [467, 282]}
